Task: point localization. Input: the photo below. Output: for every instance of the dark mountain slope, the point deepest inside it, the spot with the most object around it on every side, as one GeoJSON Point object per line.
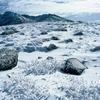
{"type": "Point", "coordinates": [46, 17]}
{"type": "Point", "coordinates": [10, 18]}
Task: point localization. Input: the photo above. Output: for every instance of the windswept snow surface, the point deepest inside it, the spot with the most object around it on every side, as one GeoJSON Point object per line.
{"type": "Point", "coordinates": [40, 78]}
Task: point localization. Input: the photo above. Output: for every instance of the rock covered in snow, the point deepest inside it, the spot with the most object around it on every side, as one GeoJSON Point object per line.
{"type": "Point", "coordinates": [68, 40]}
{"type": "Point", "coordinates": [52, 47]}
{"type": "Point", "coordinates": [97, 48]}
{"type": "Point", "coordinates": [29, 49]}
{"type": "Point", "coordinates": [78, 34]}
{"type": "Point", "coordinates": [9, 31]}
{"type": "Point", "coordinates": [44, 33]}
{"type": "Point", "coordinates": [54, 38]}
{"type": "Point", "coordinates": [8, 58]}
{"type": "Point", "coordinates": [49, 58]}
{"type": "Point", "coordinates": [73, 66]}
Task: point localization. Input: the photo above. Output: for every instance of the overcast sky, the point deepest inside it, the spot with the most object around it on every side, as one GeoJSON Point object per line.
{"type": "Point", "coordinates": [61, 7]}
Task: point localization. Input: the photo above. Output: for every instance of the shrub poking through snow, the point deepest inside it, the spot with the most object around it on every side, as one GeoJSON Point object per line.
{"type": "Point", "coordinates": [22, 88]}
{"type": "Point", "coordinates": [79, 89]}
{"type": "Point", "coordinates": [42, 67]}
{"type": "Point", "coordinates": [73, 66]}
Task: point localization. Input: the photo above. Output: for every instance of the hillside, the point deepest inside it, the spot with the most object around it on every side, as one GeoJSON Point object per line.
{"type": "Point", "coordinates": [10, 18]}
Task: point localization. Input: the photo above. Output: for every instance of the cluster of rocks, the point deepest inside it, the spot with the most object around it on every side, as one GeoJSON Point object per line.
{"type": "Point", "coordinates": [9, 31]}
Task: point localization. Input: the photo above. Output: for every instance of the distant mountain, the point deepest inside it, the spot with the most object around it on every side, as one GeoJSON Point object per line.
{"type": "Point", "coordinates": [9, 18]}
{"type": "Point", "coordinates": [46, 17]}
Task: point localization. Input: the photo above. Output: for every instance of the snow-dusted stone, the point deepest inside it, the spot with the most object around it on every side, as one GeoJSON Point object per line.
{"type": "Point", "coordinates": [8, 58]}
{"type": "Point", "coordinates": [54, 38]}
{"type": "Point", "coordinates": [45, 39]}
{"type": "Point", "coordinates": [29, 49]}
{"type": "Point", "coordinates": [78, 34]}
{"type": "Point", "coordinates": [97, 48]}
{"type": "Point", "coordinates": [44, 33]}
{"type": "Point", "coordinates": [49, 58]}
{"type": "Point", "coordinates": [8, 32]}
{"type": "Point", "coordinates": [60, 29]}
{"type": "Point", "coordinates": [68, 40]}
{"type": "Point", "coordinates": [52, 47]}
{"type": "Point", "coordinates": [74, 66]}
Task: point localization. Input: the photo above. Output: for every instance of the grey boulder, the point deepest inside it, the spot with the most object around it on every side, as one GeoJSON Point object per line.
{"type": "Point", "coordinates": [52, 47]}
{"type": "Point", "coordinates": [8, 59]}
{"type": "Point", "coordinates": [73, 66]}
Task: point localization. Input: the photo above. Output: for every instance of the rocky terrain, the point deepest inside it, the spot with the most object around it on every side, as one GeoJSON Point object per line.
{"type": "Point", "coordinates": [57, 60]}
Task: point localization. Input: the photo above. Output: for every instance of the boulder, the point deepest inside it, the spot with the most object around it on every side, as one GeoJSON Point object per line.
{"type": "Point", "coordinates": [8, 59]}
{"type": "Point", "coordinates": [73, 66]}
{"type": "Point", "coordinates": [29, 49]}
{"type": "Point", "coordinates": [44, 33]}
{"type": "Point", "coordinates": [68, 40]}
{"type": "Point", "coordinates": [8, 32]}
{"type": "Point", "coordinates": [49, 58]}
{"type": "Point", "coordinates": [97, 48]}
{"type": "Point", "coordinates": [54, 38]}
{"type": "Point", "coordinates": [78, 34]}
{"type": "Point", "coordinates": [52, 47]}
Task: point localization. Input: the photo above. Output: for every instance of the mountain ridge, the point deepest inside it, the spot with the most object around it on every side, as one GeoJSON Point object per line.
{"type": "Point", "coordinates": [10, 18]}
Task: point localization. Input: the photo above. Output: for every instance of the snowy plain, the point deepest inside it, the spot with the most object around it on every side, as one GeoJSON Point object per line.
{"type": "Point", "coordinates": [37, 78]}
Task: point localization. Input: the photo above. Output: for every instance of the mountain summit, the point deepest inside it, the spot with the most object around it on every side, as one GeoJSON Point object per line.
{"type": "Point", "coordinates": [10, 18]}
{"type": "Point", "coordinates": [46, 17]}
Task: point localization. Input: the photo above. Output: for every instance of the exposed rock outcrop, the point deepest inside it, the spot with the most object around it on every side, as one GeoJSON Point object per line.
{"type": "Point", "coordinates": [8, 59]}
{"type": "Point", "coordinates": [73, 66]}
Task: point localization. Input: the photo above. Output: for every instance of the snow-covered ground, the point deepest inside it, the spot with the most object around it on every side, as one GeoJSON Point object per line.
{"type": "Point", "coordinates": [36, 78]}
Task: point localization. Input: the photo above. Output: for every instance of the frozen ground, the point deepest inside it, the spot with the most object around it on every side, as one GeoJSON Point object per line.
{"type": "Point", "coordinates": [36, 78]}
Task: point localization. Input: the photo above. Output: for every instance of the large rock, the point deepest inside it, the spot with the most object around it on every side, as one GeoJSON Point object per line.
{"type": "Point", "coordinates": [73, 66]}
{"type": "Point", "coordinates": [52, 47]}
{"type": "Point", "coordinates": [9, 31]}
{"type": "Point", "coordinates": [8, 58]}
{"type": "Point", "coordinates": [78, 34]}
{"type": "Point", "coordinates": [29, 49]}
{"type": "Point", "coordinates": [97, 48]}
